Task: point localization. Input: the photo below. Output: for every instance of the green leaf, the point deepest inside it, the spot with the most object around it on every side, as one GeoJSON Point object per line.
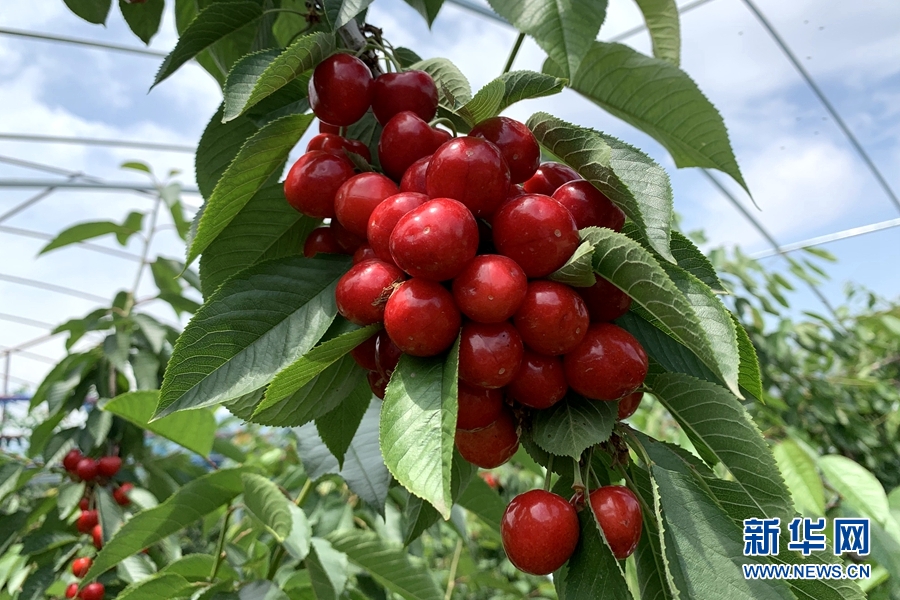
{"type": "Point", "coordinates": [327, 569]}
{"type": "Point", "coordinates": [691, 259]}
{"type": "Point", "coordinates": [218, 146]}
{"type": "Point", "coordinates": [656, 577]}
{"type": "Point", "coordinates": [241, 80]}
{"type": "Point", "coordinates": [405, 56]}
{"type": "Point", "coordinates": [420, 515]}
{"type": "Point", "coordinates": [86, 231]}
{"type": "Point", "coordinates": [485, 103]}
{"type": "Point", "coordinates": [526, 85]}
{"type": "Point", "coordinates": [256, 324]}
{"type": "Point", "coordinates": [659, 99]}
{"type": "Point", "coordinates": [165, 276]}
{"type": "Point", "coordinates": [92, 11]}
{"type": "Point", "coordinates": [453, 87]}
{"type": "Point", "coordinates": [257, 160]}
{"type": "Point", "coordinates": [190, 503]}
{"type": "Point", "coordinates": [627, 176]}
{"type": "Point", "coordinates": [719, 426]}
{"type": "Point", "coordinates": [579, 269]}
{"type": "Point", "coordinates": [387, 563]}
{"type": "Point", "coordinates": [194, 430]}
{"type": "Point", "coordinates": [483, 502]}
{"type": "Point", "coordinates": [298, 540]}
{"type": "Point", "coordinates": [209, 26]}
{"type": "Point", "coordinates": [564, 30]}
{"type": "Point", "coordinates": [749, 374]}
{"type": "Point", "coordinates": [261, 590]}
{"type": "Point", "coordinates": [144, 18]}
{"type": "Point", "coordinates": [338, 426]}
{"type": "Point", "coordinates": [573, 425]}
{"type": "Point", "coordinates": [266, 502]}
{"type": "Point", "coordinates": [427, 8]}
{"type": "Point", "coordinates": [162, 586]}
{"type": "Point", "coordinates": [860, 489]}
{"type": "Point", "coordinates": [800, 477]}
{"type": "Point", "coordinates": [418, 421]}
{"type": "Point", "coordinates": [661, 17]}
{"type": "Point", "coordinates": [592, 572]}
{"type": "Point", "coordinates": [349, 9]}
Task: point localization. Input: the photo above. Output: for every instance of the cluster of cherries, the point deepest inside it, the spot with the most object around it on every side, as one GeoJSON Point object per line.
{"type": "Point", "coordinates": [93, 472]}
{"type": "Point", "coordinates": [456, 239]}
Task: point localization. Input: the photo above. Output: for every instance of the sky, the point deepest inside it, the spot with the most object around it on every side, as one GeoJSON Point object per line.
{"type": "Point", "coordinates": [800, 168]}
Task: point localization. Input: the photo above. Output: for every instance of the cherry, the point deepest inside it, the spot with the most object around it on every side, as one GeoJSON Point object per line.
{"type": "Point", "coordinates": [405, 139]}
{"type": "Point", "coordinates": [435, 240]}
{"type": "Point", "coordinates": [365, 252]}
{"type": "Point", "coordinates": [516, 143]}
{"type": "Point", "coordinates": [349, 242]}
{"type": "Point", "coordinates": [539, 531]}
{"type": "Point", "coordinates": [552, 319]}
{"type": "Point", "coordinates": [490, 479]}
{"type": "Point", "coordinates": [108, 466]}
{"type": "Point", "coordinates": [490, 288]}
{"type": "Point", "coordinates": [537, 232]}
{"type": "Point", "coordinates": [86, 469]}
{"type": "Point", "coordinates": [589, 206]}
{"type": "Point", "coordinates": [540, 381]}
{"type": "Point", "coordinates": [357, 198]}
{"type": "Point", "coordinates": [421, 318]}
{"type": "Point", "coordinates": [72, 590]}
{"type": "Point", "coordinates": [364, 354]}
{"type": "Point", "coordinates": [362, 291]}
{"type": "Point", "coordinates": [93, 591]}
{"type": "Point", "coordinates": [629, 405]}
{"type": "Point", "coordinates": [339, 146]}
{"type": "Point", "coordinates": [84, 504]}
{"type": "Point", "coordinates": [618, 512]}
{"type": "Point", "coordinates": [490, 446]}
{"type": "Point", "coordinates": [384, 218]}
{"type": "Point", "coordinates": [80, 566]}
{"type": "Point", "coordinates": [377, 383]}
{"type": "Point", "coordinates": [478, 407]}
{"type": "Point", "coordinates": [387, 354]}
{"type": "Point", "coordinates": [414, 177]}
{"type": "Point", "coordinates": [97, 536]}
{"type": "Point", "coordinates": [608, 363]}
{"type": "Point", "coordinates": [489, 354]}
{"type": "Point", "coordinates": [86, 521]}
{"type": "Point", "coordinates": [471, 170]}
{"type": "Point", "coordinates": [71, 460]}
{"type": "Point", "coordinates": [329, 128]}
{"type": "Point", "coordinates": [605, 302]}
{"type": "Point", "coordinates": [120, 494]}
{"type": "Point", "coordinates": [548, 178]}
{"type": "Point", "coordinates": [321, 239]}
{"type": "Point", "coordinates": [340, 90]}
{"type": "Point", "coordinates": [410, 90]}
{"type": "Point", "coordinates": [313, 181]}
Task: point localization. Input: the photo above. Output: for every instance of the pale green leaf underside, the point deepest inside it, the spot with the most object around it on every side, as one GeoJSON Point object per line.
{"type": "Point", "coordinates": [801, 478]}
{"type": "Point", "coordinates": [453, 87]}
{"type": "Point", "coordinates": [579, 269]}
{"type": "Point", "coordinates": [265, 501]}
{"type": "Point", "coordinates": [195, 430]}
{"type": "Point", "coordinates": [661, 17]}
{"type": "Point", "coordinates": [573, 425]}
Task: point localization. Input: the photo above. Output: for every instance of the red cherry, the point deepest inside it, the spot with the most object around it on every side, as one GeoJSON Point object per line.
{"type": "Point", "coordinates": [321, 239]}
{"type": "Point", "coordinates": [537, 232]}
{"type": "Point", "coordinates": [548, 178]}
{"type": "Point", "coordinates": [84, 504]}
{"type": "Point", "coordinates": [97, 536]}
{"type": "Point", "coordinates": [313, 181]}
{"type": "Point", "coordinates": [349, 242]}
{"type": "Point", "coordinates": [338, 146]}
{"type": "Point", "coordinates": [340, 90]}
{"type": "Point", "coordinates": [87, 469]}
{"type": "Point", "coordinates": [490, 288]}
{"type": "Point", "coordinates": [362, 291]}
{"type": "Point", "coordinates": [108, 466]}
{"type": "Point", "coordinates": [489, 354]}
{"type": "Point", "coordinates": [410, 90]}
{"type": "Point", "coordinates": [629, 405]}
{"type": "Point", "coordinates": [71, 460]}
{"type": "Point", "coordinates": [552, 319]}
{"type": "Point", "coordinates": [618, 512]}
{"type": "Point", "coordinates": [435, 240]}
{"type": "Point", "coordinates": [605, 302]}
{"type": "Point", "coordinates": [414, 177]}
{"type": "Point", "coordinates": [93, 591]}
{"type": "Point", "coordinates": [86, 521]}
{"type": "Point", "coordinates": [422, 318]}
{"type": "Point", "coordinates": [608, 363]}
{"type": "Point", "coordinates": [329, 128]}
{"type": "Point", "coordinates": [72, 590]}
{"type": "Point", "coordinates": [470, 170]}
{"type": "Point", "coordinates": [377, 383]}
{"type": "Point", "coordinates": [384, 218]}
{"type": "Point", "coordinates": [516, 143]}
{"type": "Point", "coordinates": [589, 206]}
{"type": "Point", "coordinates": [490, 446]}
{"type": "Point", "coordinates": [405, 139]}
{"type": "Point", "coordinates": [80, 566]}
{"type": "Point", "coordinates": [364, 354]}
{"type": "Point", "coordinates": [539, 531]}
{"type": "Point", "coordinates": [490, 479]}
{"type": "Point", "coordinates": [478, 407]}
{"type": "Point", "coordinates": [540, 381]}
{"type": "Point", "coordinates": [387, 354]}
{"type": "Point", "coordinates": [357, 198]}
{"type": "Point", "coordinates": [120, 494]}
{"type": "Point", "coordinates": [364, 252]}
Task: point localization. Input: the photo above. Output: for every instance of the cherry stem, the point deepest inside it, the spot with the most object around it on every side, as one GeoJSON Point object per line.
{"type": "Point", "coordinates": [644, 506]}
{"type": "Point", "coordinates": [549, 474]}
{"type": "Point", "coordinates": [445, 121]}
{"type": "Point", "coordinates": [515, 51]}
{"type": "Point", "coordinates": [578, 485]}
{"type": "Point", "coordinates": [636, 444]}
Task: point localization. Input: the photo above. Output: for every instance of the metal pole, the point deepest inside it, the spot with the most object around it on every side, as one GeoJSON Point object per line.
{"type": "Point", "coordinates": [21, 137]}
{"type": "Point", "coordinates": [111, 186]}
{"type": "Point", "coordinates": [832, 237]}
{"type": "Point", "coordinates": [81, 42]}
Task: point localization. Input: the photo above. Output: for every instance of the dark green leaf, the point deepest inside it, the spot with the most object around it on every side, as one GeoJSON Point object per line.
{"type": "Point", "coordinates": [420, 515]}
{"type": "Point", "coordinates": [579, 269]}
{"type": "Point", "coordinates": [266, 502]}
{"type": "Point", "coordinates": [109, 513]}
{"type": "Point", "coordinates": [165, 275]}
{"type": "Point", "coordinates": [573, 425]}
{"type": "Point", "coordinates": [36, 584]}
{"type": "Point", "coordinates": [327, 569]}
{"type": "Point", "coordinates": [241, 80]}
{"type": "Point", "coordinates": [143, 18]}
{"type": "Point", "coordinates": [86, 231]}
{"type": "Point", "coordinates": [349, 9]}
{"type": "Point", "coordinates": [338, 426]}
{"type": "Point", "coordinates": [92, 11]}
{"type": "Point", "coordinates": [406, 56]}
{"type": "Point", "coordinates": [261, 590]}
{"type": "Point", "coordinates": [749, 374]}
{"type": "Point", "coordinates": [162, 586]}
{"type": "Point", "coordinates": [453, 87]}
{"type": "Point", "coordinates": [525, 85]}
{"type": "Point", "coordinates": [95, 431]}
{"type": "Point", "coordinates": [483, 502]}
{"type": "Point", "coordinates": [592, 572]}
{"type": "Point", "coordinates": [655, 574]}
{"type": "Point", "coordinates": [218, 146]}
{"type": "Point", "coordinates": [427, 8]}
{"type": "Point", "coordinates": [691, 259]}
{"type": "Point", "coordinates": [486, 103]}
{"type": "Point", "coordinates": [661, 17]}
{"type": "Point", "coordinates": [194, 430]}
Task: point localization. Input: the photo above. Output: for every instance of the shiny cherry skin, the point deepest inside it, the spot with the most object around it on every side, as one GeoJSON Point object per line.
{"type": "Point", "coordinates": [549, 177]}
{"type": "Point", "coordinates": [339, 146]}
{"type": "Point", "coordinates": [120, 494]}
{"type": "Point", "coordinates": [540, 531]}
{"type": "Point", "coordinates": [93, 591]}
{"type": "Point", "coordinates": [384, 218]}
{"type": "Point", "coordinates": [108, 466]}
{"type": "Point", "coordinates": [97, 536]}
{"type": "Point", "coordinates": [387, 354]}
{"type": "Point", "coordinates": [414, 178]}
{"type": "Point", "coordinates": [364, 354]}
{"type": "Point", "coordinates": [489, 353]}
{"type": "Point", "coordinates": [364, 252]}
{"type": "Point", "coordinates": [71, 460]}
{"type": "Point", "coordinates": [313, 181]}
{"type": "Point", "coordinates": [516, 143]}
{"type": "Point", "coordinates": [589, 206]}
{"type": "Point", "coordinates": [435, 240]}
{"type": "Point", "coordinates": [321, 240]}
{"type": "Point", "coordinates": [540, 381]}
{"type": "Point", "coordinates": [421, 318]}
{"type": "Point", "coordinates": [414, 91]}
{"type": "Point", "coordinates": [490, 446]}
{"type": "Point", "coordinates": [84, 504]}
{"type": "Point", "coordinates": [362, 292]}
{"type": "Point", "coordinates": [537, 232]}
{"type": "Point", "coordinates": [72, 590]}
{"type": "Point", "coordinates": [470, 170]}
{"type": "Point", "coordinates": [618, 512]}
{"type": "Point", "coordinates": [377, 383]}
{"type": "Point", "coordinates": [478, 407]}
{"type": "Point", "coordinates": [340, 90]}
{"type": "Point", "coordinates": [552, 319]}
{"type": "Point", "coordinates": [357, 198]}
{"type": "Point", "coordinates": [605, 302]}
{"type": "Point", "coordinates": [350, 242]}
{"type": "Point", "coordinates": [329, 128]}
{"type": "Point", "coordinates": [87, 469]}
{"type": "Point", "coordinates": [86, 521]}
{"type": "Point", "coordinates": [629, 405]}
{"type": "Point", "coordinates": [405, 139]}
{"type": "Point", "coordinates": [490, 288]}
{"type": "Point", "coordinates": [607, 364]}
{"type": "Point", "coordinates": [80, 566]}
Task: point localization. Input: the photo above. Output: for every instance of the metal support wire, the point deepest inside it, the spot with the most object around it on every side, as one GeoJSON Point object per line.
{"type": "Point", "coordinates": [86, 245]}
{"type": "Point", "coordinates": [82, 42]}
{"type": "Point", "coordinates": [26, 321]}
{"type": "Point", "coordinates": [34, 356]}
{"type": "Point", "coordinates": [832, 237]}
{"type": "Point", "coordinates": [50, 139]}
{"type": "Point", "coordinates": [51, 287]}
{"type": "Point", "coordinates": [636, 30]}
{"type": "Point", "coordinates": [110, 186]}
